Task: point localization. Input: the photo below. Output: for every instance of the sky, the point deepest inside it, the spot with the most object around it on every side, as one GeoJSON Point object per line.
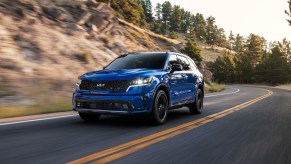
{"type": "Point", "coordinates": [262, 17]}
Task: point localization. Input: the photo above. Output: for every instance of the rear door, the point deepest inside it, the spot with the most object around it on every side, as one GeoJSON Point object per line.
{"type": "Point", "coordinates": [176, 82]}
{"type": "Point", "coordinates": [188, 80]}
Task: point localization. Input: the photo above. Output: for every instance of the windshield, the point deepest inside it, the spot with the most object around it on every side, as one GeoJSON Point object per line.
{"type": "Point", "coordinates": [139, 60]}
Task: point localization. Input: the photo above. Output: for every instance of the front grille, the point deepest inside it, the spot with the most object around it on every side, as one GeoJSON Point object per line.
{"type": "Point", "coordinates": [113, 86]}
{"type": "Point", "coordinates": [104, 105]}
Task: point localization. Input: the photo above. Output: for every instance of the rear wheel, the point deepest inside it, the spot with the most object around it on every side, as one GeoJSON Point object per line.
{"type": "Point", "coordinates": [160, 108]}
{"type": "Point", "coordinates": [197, 106]}
{"type": "Point", "coordinates": [89, 117]}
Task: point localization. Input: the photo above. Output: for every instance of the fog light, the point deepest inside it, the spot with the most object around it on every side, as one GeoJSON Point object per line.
{"type": "Point", "coordinates": [78, 104]}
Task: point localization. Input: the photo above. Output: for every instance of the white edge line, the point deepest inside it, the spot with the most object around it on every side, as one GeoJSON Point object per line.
{"type": "Point", "coordinates": [237, 90]}
{"type": "Point", "coordinates": [34, 120]}
{"type": "Point", "coordinates": [71, 115]}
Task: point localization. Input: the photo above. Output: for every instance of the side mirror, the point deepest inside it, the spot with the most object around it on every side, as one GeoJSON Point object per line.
{"type": "Point", "coordinates": [187, 67]}
{"type": "Point", "coordinates": [176, 67]}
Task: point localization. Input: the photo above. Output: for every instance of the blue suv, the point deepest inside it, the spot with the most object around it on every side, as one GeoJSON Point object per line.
{"type": "Point", "coordinates": [150, 83]}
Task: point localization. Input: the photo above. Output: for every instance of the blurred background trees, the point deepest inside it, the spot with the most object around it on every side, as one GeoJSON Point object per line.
{"type": "Point", "coordinates": [249, 60]}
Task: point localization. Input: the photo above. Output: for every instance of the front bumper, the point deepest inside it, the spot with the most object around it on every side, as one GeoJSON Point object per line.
{"type": "Point", "coordinates": [112, 104]}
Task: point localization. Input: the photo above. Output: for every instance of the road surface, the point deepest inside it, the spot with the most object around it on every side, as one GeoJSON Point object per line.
{"type": "Point", "coordinates": [243, 124]}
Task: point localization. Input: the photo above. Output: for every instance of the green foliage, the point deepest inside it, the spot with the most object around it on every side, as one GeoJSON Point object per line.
{"type": "Point", "coordinates": [254, 64]}
{"type": "Point", "coordinates": [186, 21]}
{"type": "Point", "coordinates": [147, 8]}
{"type": "Point", "coordinates": [199, 24]}
{"type": "Point", "coordinates": [191, 35]}
{"type": "Point", "coordinates": [214, 87]}
{"type": "Point", "coordinates": [20, 11]}
{"type": "Point", "coordinates": [176, 19]}
{"type": "Point", "coordinates": [274, 69]}
{"type": "Point", "coordinates": [244, 69]}
{"type": "Point", "coordinates": [173, 35]}
{"type": "Point", "coordinates": [211, 31]}
{"type": "Point", "coordinates": [104, 39]}
{"type": "Point", "coordinates": [221, 38]}
{"type": "Point", "coordinates": [192, 50]}
{"type": "Point", "coordinates": [167, 10]}
{"type": "Point", "coordinates": [85, 56]}
{"type": "Point", "coordinates": [132, 11]}
{"type": "Point", "coordinates": [255, 48]}
{"type": "Point", "coordinates": [231, 40]}
{"type": "Point", "coordinates": [238, 44]}
{"type": "Point", "coordinates": [223, 68]}
{"type": "Point", "coordinates": [289, 13]}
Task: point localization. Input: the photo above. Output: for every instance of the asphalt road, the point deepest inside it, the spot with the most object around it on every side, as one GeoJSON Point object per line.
{"type": "Point", "coordinates": [258, 133]}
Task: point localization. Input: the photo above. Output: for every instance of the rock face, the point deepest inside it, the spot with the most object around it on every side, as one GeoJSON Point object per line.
{"type": "Point", "coordinates": [45, 45]}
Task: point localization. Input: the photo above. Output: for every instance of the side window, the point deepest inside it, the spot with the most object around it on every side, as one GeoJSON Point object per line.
{"type": "Point", "coordinates": [173, 60]}
{"type": "Point", "coordinates": [193, 65]}
{"type": "Point", "coordinates": [185, 63]}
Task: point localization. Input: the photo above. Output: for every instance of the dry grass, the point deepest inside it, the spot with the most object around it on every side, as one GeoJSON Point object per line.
{"type": "Point", "coordinates": [214, 87]}
{"type": "Point", "coordinates": [56, 105]}
{"type": "Point", "coordinates": [210, 55]}
{"type": "Point", "coordinates": [285, 86]}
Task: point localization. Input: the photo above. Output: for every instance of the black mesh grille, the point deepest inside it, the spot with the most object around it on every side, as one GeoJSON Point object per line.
{"type": "Point", "coordinates": [104, 105]}
{"type": "Point", "coordinates": [113, 86]}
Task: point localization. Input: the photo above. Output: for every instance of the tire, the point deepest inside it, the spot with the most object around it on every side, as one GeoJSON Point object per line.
{"type": "Point", "coordinates": [197, 106]}
{"type": "Point", "coordinates": [160, 108]}
{"type": "Point", "coordinates": [89, 117]}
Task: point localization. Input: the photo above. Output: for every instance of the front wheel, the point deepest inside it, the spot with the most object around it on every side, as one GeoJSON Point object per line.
{"type": "Point", "coordinates": [160, 108]}
{"type": "Point", "coordinates": [197, 106]}
{"type": "Point", "coordinates": [89, 117]}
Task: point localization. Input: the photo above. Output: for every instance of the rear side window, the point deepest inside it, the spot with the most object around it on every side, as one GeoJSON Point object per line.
{"type": "Point", "coordinates": [193, 65]}
{"type": "Point", "coordinates": [185, 63]}
{"type": "Point", "coordinates": [173, 60]}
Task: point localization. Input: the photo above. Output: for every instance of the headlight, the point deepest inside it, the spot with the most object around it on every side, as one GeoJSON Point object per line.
{"type": "Point", "coordinates": [79, 82]}
{"type": "Point", "coordinates": [141, 81]}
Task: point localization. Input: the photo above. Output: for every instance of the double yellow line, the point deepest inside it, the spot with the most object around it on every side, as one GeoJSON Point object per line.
{"type": "Point", "coordinates": [122, 150]}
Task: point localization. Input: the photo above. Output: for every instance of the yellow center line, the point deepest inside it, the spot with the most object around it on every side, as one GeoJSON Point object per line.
{"type": "Point", "coordinates": [122, 150]}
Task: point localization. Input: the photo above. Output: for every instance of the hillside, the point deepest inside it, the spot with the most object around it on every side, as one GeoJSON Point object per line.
{"type": "Point", "coordinates": [46, 45]}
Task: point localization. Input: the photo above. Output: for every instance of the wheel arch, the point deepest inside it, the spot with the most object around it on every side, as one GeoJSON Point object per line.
{"type": "Point", "coordinates": [165, 88]}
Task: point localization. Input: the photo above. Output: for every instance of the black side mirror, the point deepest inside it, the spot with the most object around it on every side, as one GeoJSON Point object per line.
{"type": "Point", "coordinates": [176, 67]}
{"type": "Point", "coordinates": [187, 67]}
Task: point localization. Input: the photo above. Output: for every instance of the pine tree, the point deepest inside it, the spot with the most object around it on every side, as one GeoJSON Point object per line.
{"type": "Point", "coordinates": [199, 23]}
{"type": "Point", "coordinates": [274, 69]}
{"type": "Point", "coordinates": [221, 40]}
{"type": "Point", "coordinates": [132, 11]}
{"type": "Point", "coordinates": [231, 40]}
{"type": "Point", "coordinates": [186, 21]}
{"type": "Point", "coordinates": [289, 13]}
{"type": "Point", "coordinates": [176, 19]}
{"type": "Point", "coordinates": [238, 44]}
{"type": "Point", "coordinates": [286, 46]}
{"type": "Point", "coordinates": [223, 68]}
{"type": "Point", "coordinates": [192, 50]}
{"type": "Point", "coordinates": [156, 25]}
{"type": "Point", "coordinates": [158, 11]}
{"type": "Point", "coordinates": [244, 69]}
{"type": "Point", "coordinates": [211, 31]}
{"type": "Point", "coordinates": [191, 35]}
{"type": "Point", "coordinates": [255, 48]}
{"type": "Point", "coordinates": [147, 8]}
{"type": "Point", "coordinates": [166, 16]}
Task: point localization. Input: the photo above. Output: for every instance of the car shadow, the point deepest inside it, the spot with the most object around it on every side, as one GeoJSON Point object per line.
{"type": "Point", "coordinates": [177, 115]}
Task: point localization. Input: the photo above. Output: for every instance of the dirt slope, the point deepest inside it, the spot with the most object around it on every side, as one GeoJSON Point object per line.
{"type": "Point", "coordinates": [45, 45]}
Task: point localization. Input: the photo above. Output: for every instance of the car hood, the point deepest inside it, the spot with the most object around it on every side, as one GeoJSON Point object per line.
{"type": "Point", "coordinates": [118, 74]}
